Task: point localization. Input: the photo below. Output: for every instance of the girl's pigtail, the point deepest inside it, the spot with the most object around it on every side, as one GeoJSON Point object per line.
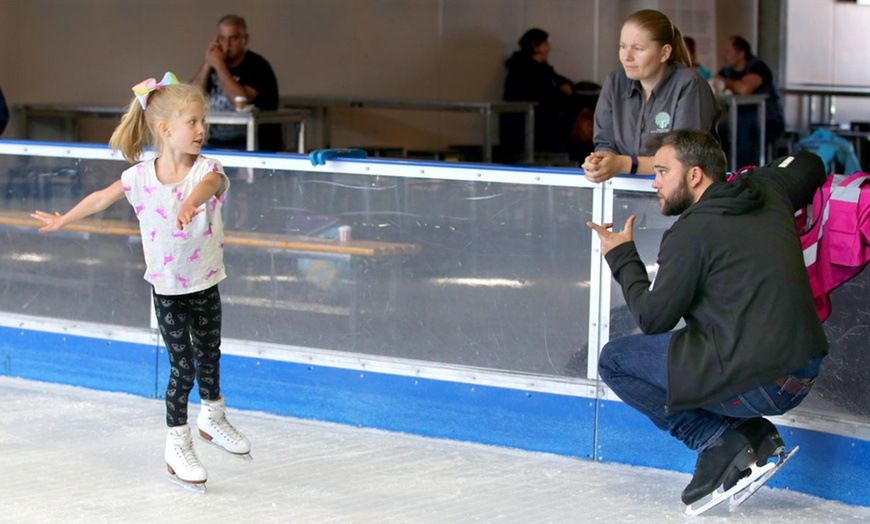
{"type": "Point", "coordinates": [131, 135]}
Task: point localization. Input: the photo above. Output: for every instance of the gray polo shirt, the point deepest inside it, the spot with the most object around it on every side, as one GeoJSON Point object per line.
{"type": "Point", "coordinates": [682, 99]}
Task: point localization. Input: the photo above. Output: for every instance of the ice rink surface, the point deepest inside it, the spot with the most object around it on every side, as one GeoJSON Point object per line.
{"type": "Point", "coordinates": [78, 455]}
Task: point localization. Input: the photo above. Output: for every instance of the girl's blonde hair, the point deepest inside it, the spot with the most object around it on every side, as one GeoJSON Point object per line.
{"type": "Point", "coordinates": [139, 127]}
{"type": "Point", "coordinates": [661, 30]}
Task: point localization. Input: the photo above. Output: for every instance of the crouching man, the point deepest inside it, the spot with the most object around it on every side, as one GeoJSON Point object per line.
{"type": "Point", "coordinates": [732, 267]}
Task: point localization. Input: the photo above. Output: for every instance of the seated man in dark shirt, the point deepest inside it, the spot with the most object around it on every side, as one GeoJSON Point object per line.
{"type": "Point", "coordinates": [746, 74]}
{"type": "Point", "coordinates": [231, 70]}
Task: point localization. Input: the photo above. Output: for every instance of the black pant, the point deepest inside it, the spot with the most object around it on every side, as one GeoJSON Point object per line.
{"type": "Point", "coordinates": [191, 329]}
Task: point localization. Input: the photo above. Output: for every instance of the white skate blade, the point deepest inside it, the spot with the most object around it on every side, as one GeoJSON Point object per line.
{"type": "Point", "coordinates": [721, 495]}
{"type": "Point", "coordinates": [196, 487]}
{"type": "Point", "coordinates": [244, 456]}
{"type": "Point", "coordinates": [760, 476]}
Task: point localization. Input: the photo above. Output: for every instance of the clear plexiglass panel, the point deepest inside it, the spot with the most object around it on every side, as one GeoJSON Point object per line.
{"type": "Point", "coordinates": [483, 274]}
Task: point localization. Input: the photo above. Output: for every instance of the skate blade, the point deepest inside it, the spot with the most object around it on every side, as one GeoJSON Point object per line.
{"type": "Point", "coordinates": [721, 495]}
{"type": "Point", "coordinates": [760, 476]}
{"type": "Point", "coordinates": [244, 456]}
{"type": "Point", "coordinates": [196, 487]}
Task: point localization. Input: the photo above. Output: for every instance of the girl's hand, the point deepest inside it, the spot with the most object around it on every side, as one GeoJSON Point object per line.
{"type": "Point", "coordinates": [196, 202]}
{"type": "Point", "coordinates": [187, 214]}
{"type": "Point", "coordinates": [53, 222]}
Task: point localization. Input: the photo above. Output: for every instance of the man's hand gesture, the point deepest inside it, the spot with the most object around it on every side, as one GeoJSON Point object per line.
{"type": "Point", "coordinates": [611, 239]}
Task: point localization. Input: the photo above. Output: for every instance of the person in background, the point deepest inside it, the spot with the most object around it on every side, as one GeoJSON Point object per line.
{"type": "Point", "coordinates": [656, 91]}
{"type": "Point", "coordinates": [4, 112]}
{"type": "Point", "coordinates": [746, 74]}
{"type": "Point", "coordinates": [753, 342]}
{"type": "Point", "coordinates": [178, 198]}
{"type": "Point", "coordinates": [231, 70]}
{"type": "Point", "coordinates": [531, 78]}
{"type": "Point", "coordinates": [693, 57]}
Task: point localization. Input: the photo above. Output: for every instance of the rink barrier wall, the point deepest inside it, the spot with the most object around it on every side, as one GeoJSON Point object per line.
{"type": "Point", "coordinates": [567, 416]}
{"type": "Point", "coordinates": [571, 424]}
{"type": "Point", "coordinates": [526, 419]}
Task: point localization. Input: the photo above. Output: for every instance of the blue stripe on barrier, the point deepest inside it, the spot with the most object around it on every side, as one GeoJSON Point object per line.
{"type": "Point", "coordinates": [528, 420]}
{"type": "Point", "coordinates": [436, 408]}
{"type": "Point", "coordinates": [828, 466]}
{"type": "Point", "coordinates": [80, 361]}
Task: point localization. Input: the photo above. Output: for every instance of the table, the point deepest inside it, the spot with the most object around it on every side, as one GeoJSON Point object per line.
{"type": "Point", "coordinates": [817, 101]}
{"type": "Point", "coordinates": [70, 114]}
{"type": "Point", "coordinates": [252, 119]}
{"type": "Point", "coordinates": [733, 102]}
{"type": "Point", "coordinates": [487, 109]}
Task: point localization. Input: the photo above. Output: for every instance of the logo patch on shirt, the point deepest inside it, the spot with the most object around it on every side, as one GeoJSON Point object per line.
{"type": "Point", "coordinates": [663, 120]}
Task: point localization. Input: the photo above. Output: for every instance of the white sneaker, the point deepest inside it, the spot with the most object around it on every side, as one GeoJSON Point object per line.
{"type": "Point", "coordinates": [181, 459]}
{"type": "Point", "coordinates": [214, 427]}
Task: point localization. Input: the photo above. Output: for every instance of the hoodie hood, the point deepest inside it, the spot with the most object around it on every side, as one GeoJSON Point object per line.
{"type": "Point", "coordinates": [733, 198]}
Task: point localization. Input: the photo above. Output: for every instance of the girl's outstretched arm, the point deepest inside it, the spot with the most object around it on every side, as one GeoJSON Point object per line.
{"type": "Point", "coordinates": [93, 203]}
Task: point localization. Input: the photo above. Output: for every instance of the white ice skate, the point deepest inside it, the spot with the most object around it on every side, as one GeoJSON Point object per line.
{"type": "Point", "coordinates": [182, 462]}
{"type": "Point", "coordinates": [215, 428]}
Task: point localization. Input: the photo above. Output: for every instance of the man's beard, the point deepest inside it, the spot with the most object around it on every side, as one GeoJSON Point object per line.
{"type": "Point", "coordinates": [679, 201]}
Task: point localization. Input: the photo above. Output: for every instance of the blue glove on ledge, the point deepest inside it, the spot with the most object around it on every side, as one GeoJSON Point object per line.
{"type": "Point", "coordinates": [320, 156]}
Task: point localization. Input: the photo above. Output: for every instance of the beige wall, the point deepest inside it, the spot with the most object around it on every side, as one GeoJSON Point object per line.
{"type": "Point", "coordinates": [92, 51]}
{"type": "Point", "coordinates": [810, 59]}
{"type": "Point", "coordinates": [827, 44]}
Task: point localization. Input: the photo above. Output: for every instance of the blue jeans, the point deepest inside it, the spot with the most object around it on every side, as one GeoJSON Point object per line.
{"type": "Point", "coordinates": [635, 367]}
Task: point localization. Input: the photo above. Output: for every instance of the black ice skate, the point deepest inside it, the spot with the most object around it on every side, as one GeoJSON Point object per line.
{"type": "Point", "coordinates": [739, 485]}
{"type": "Point", "coordinates": [745, 487]}
{"type": "Point", "coordinates": [766, 442]}
{"type": "Point", "coordinates": [729, 452]}
{"type": "Point", "coordinates": [759, 477]}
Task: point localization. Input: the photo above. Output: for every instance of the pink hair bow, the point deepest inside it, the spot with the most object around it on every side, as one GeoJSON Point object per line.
{"type": "Point", "coordinates": [145, 87]}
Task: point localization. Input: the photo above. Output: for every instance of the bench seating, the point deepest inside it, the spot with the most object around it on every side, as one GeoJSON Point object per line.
{"type": "Point", "coordinates": [353, 251]}
{"type": "Point", "coordinates": [364, 248]}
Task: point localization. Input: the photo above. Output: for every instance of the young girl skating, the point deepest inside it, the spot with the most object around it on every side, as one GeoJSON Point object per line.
{"type": "Point", "coordinates": [177, 197]}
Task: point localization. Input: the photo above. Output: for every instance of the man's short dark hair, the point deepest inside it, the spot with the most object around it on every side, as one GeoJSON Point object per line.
{"type": "Point", "coordinates": [740, 44]}
{"type": "Point", "coordinates": [694, 148]}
